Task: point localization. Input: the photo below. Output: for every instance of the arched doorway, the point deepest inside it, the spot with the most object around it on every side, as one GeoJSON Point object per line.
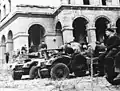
{"type": "Point", "coordinates": [79, 30]}
{"type": "Point", "coordinates": [36, 35]}
{"type": "Point", "coordinates": [3, 39]}
{"type": "Point", "coordinates": [59, 35]}
{"type": "Point", "coordinates": [9, 44]}
{"type": "Point", "coordinates": [3, 48]}
{"type": "Point", "coordinates": [118, 27]}
{"type": "Point", "coordinates": [101, 25]}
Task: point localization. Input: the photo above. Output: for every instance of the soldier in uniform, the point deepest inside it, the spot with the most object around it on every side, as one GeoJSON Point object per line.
{"type": "Point", "coordinates": [112, 48]}
{"type": "Point", "coordinates": [42, 49]}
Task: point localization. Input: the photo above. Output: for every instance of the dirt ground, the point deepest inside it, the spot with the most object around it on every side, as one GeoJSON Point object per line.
{"type": "Point", "coordinates": [71, 84]}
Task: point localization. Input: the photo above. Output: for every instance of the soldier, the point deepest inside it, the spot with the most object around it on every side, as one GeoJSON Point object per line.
{"type": "Point", "coordinates": [7, 56]}
{"type": "Point", "coordinates": [42, 48]}
{"type": "Point", "coordinates": [24, 49]}
{"type": "Point", "coordinates": [117, 66]}
{"type": "Point", "coordinates": [112, 49]}
{"type": "Point", "coordinates": [100, 47]}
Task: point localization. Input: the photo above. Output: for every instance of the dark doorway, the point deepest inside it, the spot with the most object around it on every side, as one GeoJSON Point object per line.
{"type": "Point", "coordinates": [101, 25]}
{"type": "Point", "coordinates": [9, 45]}
{"type": "Point", "coordinates": [59, 35]}
{"type": "Point", "coordinates": [79, 30]}
{"type": "Point", "coordinates": [36, 34]}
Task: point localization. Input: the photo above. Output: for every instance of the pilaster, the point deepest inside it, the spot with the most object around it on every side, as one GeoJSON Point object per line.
{"type": "Point", "coordinates": [91, 36]}
{"type": "Point", "coordinates": [112, 25]}
{"type": "Point", "coordinates": [9, 46]}
{"type": "Point", "coordinates": [2, 53]}
{"type": "Point", "coordinates": [67, 34]}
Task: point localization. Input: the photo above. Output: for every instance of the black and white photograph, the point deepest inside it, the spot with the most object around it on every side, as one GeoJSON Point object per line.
{"type": "Point", "coordinates": [59, 45]}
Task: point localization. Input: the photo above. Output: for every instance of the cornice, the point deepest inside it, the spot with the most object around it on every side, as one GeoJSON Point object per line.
{"type": "Point", "coordinates": [33, 6]}
{"type": "Point", "coordinates": [20, 13]}
{"type": "Point", "coordinates": [12, 16]}
{"type": "Point", "coordinates": [85, 7]}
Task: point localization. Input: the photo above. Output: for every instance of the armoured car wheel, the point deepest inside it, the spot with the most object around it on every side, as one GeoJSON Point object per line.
{"type": "Point", "coordinates": [59, 71]}
{"type": "Point", "coordinates": [80, 73]}
{"type": "Point", "coordinates": [33, 73]}
{"type": "Point", "coordinates": [80, 70]}
{"type": "Point", "coordinates": [110, 73]}
{"type": "Point", "coordinates": [43, 73]}
{"type": "Point", "coordinates": [16, 75]}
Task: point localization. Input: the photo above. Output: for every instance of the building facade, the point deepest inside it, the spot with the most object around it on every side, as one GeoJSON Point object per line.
{"type": "Point", "coordinates": [56, 23]}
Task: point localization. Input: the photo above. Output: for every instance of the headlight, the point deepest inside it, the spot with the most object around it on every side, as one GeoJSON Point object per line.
{"type": "Point", "coordinates": [43, 64]}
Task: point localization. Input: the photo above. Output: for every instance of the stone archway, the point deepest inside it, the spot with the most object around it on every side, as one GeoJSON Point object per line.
{"type": "Point", "coordinates": [59, 35]}
{"type": "Point", "coordinates": [79, 30]}
{"type": "Point", "coordinates": [118, 27]}
{"type": "Point", "coordinates": [9, 43]}
{"type": "Point", "coordinates": [3, 48]}
{"type": "Point", "coordinates": [101, 25]}
{"type": "Point", "coordinates": [36, 35]}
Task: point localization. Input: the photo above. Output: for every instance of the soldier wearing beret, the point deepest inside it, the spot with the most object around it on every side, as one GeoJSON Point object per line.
{"type": "Point", "coordinates": [112, 48]}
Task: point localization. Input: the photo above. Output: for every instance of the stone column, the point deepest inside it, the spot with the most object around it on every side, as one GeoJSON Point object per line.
{"type": "Point", "coordinates": [9, 46]}
{"type": "Point", "coordinates": [59, 38]}
{"type": "Point", "coordinates": [67, 34]}
{"type": "Point", "coordinates": [112, 26]}
{"type": "Point", "coordinates": [2, 53]}
{"type": "Point", "coordinates": [91, 36]}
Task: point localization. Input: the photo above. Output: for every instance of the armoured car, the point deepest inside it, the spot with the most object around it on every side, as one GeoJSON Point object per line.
{"type": "Point", "coordinates": [26, 65]}
{"type": "Point", "coordinates": [60, 65]}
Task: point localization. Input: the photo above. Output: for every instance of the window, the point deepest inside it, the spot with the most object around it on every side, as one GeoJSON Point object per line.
{"type": "Point", "coordinates": [4, 10]}
{"type": "Point", "coordinates": [86, 2]}
{"type": "Point", "coordinates": [68, 1]}
{"type": "Point", "coordinates": [103, 2]}
{"type": "Point", "coordinates": [9, 1]}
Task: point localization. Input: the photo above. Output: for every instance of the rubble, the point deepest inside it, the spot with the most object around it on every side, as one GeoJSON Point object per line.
{"type": "Point", "coordinates": [46, 84]}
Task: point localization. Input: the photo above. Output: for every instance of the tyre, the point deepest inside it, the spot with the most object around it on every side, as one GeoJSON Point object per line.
{"type": "Point", "coordinates": [80, 70]}
{"type": "Point", "coordinates": [111, 74]}
{"type": "Point", "coordinates": [59, 71]}
{"type": "Point", "coordinates": [16, 75]}
{"type": "Point", "coordinates": [43, 73]}
{"type": "Point", "coordinates": [33, 73]}
{"type": "Point", "coordinates": [80, 73]}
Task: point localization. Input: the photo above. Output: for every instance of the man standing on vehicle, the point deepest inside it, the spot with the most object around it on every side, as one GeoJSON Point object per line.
{"type": "Point", "coordinates": [42, 48]}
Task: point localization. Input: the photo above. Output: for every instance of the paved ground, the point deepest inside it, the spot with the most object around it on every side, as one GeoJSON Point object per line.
{"type": "Point", "coordinates": [72, 84]}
